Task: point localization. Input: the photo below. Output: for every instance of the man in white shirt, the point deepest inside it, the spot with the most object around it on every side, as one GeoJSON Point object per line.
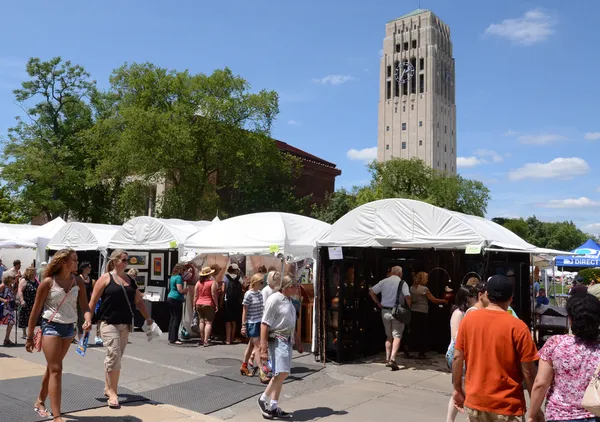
{"type": "Point", "coordinates": [388, 288]}
{"type": "Point", "coordinates": [277, 337]}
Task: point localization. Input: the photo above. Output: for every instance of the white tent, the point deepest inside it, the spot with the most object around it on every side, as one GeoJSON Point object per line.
{"type": "Point", "coordinates": [83, 237]}
{"type": "Point", "coordinates": [30, 237]}
{"type": "Point", "coordinates": [269, 233]}
{"type": "Point", "coordinates": [149, 233]}
{"type": "Point", "coordinates": [410, 224]}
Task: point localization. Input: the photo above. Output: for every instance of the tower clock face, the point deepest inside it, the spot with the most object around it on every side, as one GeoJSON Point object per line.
{"type": "Point", "coordinates": [405, 72]}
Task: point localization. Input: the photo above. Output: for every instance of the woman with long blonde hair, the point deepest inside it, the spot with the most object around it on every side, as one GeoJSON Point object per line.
{"type": "Point", "coordinates": [120, 297]}
{"type": "Point", "coordinates": [57, 297]}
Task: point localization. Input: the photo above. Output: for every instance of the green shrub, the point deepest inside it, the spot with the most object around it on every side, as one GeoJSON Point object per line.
{"type": "Point", "coordinates": [590, 274]}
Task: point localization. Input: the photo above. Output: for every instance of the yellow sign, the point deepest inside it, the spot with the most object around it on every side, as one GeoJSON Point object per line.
{"type": "Point", "coordinates": [473, 250]}
{"type": "Point", "coordinates": [274, 249]}
{"type": "Point", "coordinates": [173, 244]}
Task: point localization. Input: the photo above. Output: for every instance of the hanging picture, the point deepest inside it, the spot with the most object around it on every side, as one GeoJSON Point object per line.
{"type": "Point", "coordinates": [142, 281]}
{"type": "Point", "coordinates": [138, 260]}
{"type": "Point", "coordinates": [157, 266]}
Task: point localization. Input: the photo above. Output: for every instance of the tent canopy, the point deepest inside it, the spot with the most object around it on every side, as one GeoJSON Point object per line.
{"type": "Point", "coordinates": [587, 255]}
{"type": "Point", "coordinates": [83, 237]}
{"type": "Point", "coordinates": [27, 235]}
{"type": "Point", "coordinates": [294, 236]}
{"type": "Point", "coordinates": [410, 224]}
{"type": "Point", "coordinates": [149, 233]}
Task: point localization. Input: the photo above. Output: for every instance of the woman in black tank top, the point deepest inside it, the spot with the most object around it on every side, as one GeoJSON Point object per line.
{"type": "Point", "coordinates": [120, 297]}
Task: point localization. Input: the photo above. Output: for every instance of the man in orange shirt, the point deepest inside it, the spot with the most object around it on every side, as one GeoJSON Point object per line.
{"type": "Point", "coordinates": [500, 354]}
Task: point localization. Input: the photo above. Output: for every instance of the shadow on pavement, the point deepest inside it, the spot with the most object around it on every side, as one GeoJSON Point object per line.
{"type": "Point", "coordinates": [127, 418]}
{"type": "Point", "coordinates": [316, 413]}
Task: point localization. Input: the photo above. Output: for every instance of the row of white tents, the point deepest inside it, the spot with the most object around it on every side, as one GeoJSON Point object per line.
{"type": "Point", "coordinates": [396, 223]}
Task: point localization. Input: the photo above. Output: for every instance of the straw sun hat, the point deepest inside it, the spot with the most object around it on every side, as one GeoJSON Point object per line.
{"type": "Point", "coordinates": [206, 271]}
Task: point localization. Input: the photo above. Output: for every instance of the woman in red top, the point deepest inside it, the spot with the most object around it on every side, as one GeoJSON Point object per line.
{"type": "Point", "coordinates": [206, 301]}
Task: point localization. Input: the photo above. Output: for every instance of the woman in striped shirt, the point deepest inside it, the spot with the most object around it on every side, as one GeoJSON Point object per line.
{"type": "Point", "coordinates": [251, 318]}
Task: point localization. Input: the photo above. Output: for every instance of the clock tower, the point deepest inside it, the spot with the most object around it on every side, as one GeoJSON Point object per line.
{"type": "Point", "coordinates": [417, 110]}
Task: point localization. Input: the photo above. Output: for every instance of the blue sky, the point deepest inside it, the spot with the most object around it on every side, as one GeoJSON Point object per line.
{"type": "Point", "coordinates": [526, 78]}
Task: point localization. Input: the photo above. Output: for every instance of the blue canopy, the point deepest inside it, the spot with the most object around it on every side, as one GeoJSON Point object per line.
{"type": "Point", "coordinates": [588, 255]}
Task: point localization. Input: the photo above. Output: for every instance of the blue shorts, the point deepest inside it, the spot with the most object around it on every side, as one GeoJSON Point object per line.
{"type": "Point", "coordinates": [280, 355]}
{"type": "Point", "coordinates": [253, 329]}
{"type": "Point", "coordinates": [57, 329]}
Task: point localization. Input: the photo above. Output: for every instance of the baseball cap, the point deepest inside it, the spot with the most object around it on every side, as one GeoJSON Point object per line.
{"type": "Point", "coordinates": [500, 288]}
{"type": "Point", "coordinates": [234, 267]}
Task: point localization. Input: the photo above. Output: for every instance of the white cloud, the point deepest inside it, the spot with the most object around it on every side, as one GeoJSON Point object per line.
{"type": "Point", "coordinates": [467, 162]}
{"type": "Point", "coordinates": [581, 202]}
{"type": "Point", "coordinates": [334, 79]}
{"type": "Point", "coordinates": [511, 133]}
{"type": "Point", "coordinates": [294, 122]}
{"type": "Point", "coordinates": [592, 228]}
{"type": "Point", "coordinates": [533, 27]}
{"type": "Point", "coordinates": [366, 154]}
{"type": "Point", "coordinates": [592, 136]}
{"type": "Point", "coordinates": [563, 168]}
{"type": "Point", "coordinates": [541, 139]}
{"type": "Point", "coordinates": [493, 155]}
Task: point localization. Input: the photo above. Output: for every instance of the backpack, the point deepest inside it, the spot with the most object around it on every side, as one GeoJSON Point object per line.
{"type": "Point", "coordinates": [233, 289]}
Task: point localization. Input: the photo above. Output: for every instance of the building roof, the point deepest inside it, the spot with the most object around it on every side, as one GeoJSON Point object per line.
{"type": "Point", "coordinates": [303, 155]}
{"type": "Point", "coordinates": [413, 13]}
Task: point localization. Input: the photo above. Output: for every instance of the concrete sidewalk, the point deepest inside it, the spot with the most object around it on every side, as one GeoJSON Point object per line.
{"type": "Point", "coordinates": [13, 368]}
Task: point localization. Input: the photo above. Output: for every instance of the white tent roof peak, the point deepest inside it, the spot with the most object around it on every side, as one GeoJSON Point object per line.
{"type": "Point", "coordinates": [406, 223]}
{"type": "Point", "coordinates": [147, 233]}
{"type": "Point", "coordinates": [295, 236]}
{"type": "Point", "coordinates": [83, 236]}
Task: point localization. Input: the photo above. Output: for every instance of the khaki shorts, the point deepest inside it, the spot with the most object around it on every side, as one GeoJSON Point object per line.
{"type": "Point", "coordinates": [115, 340]}
{"type": "Point", "coordinates": [393, 327]}
{"type": "Point", "coordinates": [206, 312]}
{"type": "Point", "coordinates": [482, 416]}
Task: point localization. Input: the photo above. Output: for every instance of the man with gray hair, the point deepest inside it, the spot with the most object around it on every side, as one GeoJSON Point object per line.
{"type": "Point", "coordinates": [388, 288]}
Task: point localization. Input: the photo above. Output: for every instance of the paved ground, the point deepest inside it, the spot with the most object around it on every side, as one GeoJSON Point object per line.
{"type": "Point", "coordinates": [359, 392]}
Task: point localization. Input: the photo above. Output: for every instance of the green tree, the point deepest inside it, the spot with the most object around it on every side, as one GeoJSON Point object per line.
{"type": "Point", "coordinates": [337, 205]}
{"type": "Point", "coordinates": [563, 235]}
{"type": "Point", "coordinates": [206, 137]}
{"type": "Point", "coordinates": [518, 226]}
{"type": "Point", "coordinates": [10, 210]}
{"type": "Point", "coordinates": [46, 160]}
{"type": "Point", "coordinates": [410, 179]}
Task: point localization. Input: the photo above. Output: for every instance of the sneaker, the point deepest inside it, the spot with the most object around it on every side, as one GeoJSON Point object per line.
{"type": "Point", "coordinates": [394, 365]}
{"type": "Point", "coordinates": [98, 341]}
{"type": "Point", "coordinates": [264, 409]}
{"type": "Point", "coordinates": [280, 414]}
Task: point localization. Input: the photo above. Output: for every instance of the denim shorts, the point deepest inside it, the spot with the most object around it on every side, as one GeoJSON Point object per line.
{"type": "Point", "coordinates": [280, 355]}
{"type": "Point", "coordinates": [57, 329]}
{"type": "Point", "coordinates": [253, 329]}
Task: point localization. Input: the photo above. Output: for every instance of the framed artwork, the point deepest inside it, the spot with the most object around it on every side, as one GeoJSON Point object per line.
{"type": "Point", "coordinates": [142, 281]}
{"type": "Point", "coordinates": [157, 266]}
{"type": "Point", "coordinates": [138, 260]}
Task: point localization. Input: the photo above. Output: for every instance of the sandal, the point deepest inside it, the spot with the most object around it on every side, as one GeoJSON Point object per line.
{"type": "Point", "coordinates": [114, 404]}
{"type": "Point", "coordinates": [43, 413]}
{"type": "Point", "coordinates": [8, 343]}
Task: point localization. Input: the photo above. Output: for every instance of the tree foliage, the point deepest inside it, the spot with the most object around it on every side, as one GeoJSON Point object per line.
{"type": "Point", "coordinates": [410, 179]}
{"type": "Point", "coordinates": [198, 144]}
{"type": "Point", "coordinates": [564, 235]}
{"type": "Point", "coordinates": [46, 161]}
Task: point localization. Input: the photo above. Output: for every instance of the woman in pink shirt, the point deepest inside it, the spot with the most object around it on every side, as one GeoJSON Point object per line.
{"type": "Point", "coordinates": [206, 301]}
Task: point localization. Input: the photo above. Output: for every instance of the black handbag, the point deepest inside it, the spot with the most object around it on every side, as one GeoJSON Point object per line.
{"type": "Point", "coordinates": [400, 312]}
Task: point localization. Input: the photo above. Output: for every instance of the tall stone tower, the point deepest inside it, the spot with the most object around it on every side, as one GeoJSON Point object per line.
{"type": "Point", "coordinates": [417, 110]}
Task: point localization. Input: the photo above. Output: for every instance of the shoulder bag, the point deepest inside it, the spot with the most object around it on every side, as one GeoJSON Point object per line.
{"type": "Point", "coordinates": [129, 304]}
{"type": "Point", "coordinates": [400, 311]}
{"type": "Point", "coordinates": [37, 337]}
{"type": "Point", "coordinates": [591, 397]}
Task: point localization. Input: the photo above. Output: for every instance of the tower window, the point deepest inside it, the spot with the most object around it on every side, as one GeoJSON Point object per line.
{"type": "Point", "coordinates": [422, 64]}
{"type": "Point", "coordinates": [452, 150]}
{"type": "Point", "coordinates": [403, 145]}
{"type": "Point", "coordinates": [452, 131]}
{"type": "Point", "coordinates": [389, 71]}
{"type": "Point", "coordinates": [398, 47]}
{"type": "Point", "coordinates": [413, 81]}
{"type": "Point", "coordinates": [414, 43]}
{"type": "Point", "coordinates": [445, 148]}
{"type": "Point", "coordinates": [387, 147]}
{"type": "Point", "coordinates": [445, 167]}
{"type": "Point", "coordinates": [403, 108]}
{"type": "Point", "coordinates": [387, 128]}
{"type": "Point", "coordinates": [438, 164]}
{"type": "Point", "coordinates": [406, 46]}
{"type": "Point", "coordinates": [445, 129]}
{"type": "Point", "coordinates": [388, 90]}
{"type": "Point", "coordinates": [412, 106]}
{"type": "Point", "coordinates": [395, 109]}
{"type": "Point", "coordinates": [420, 142]}
{"type": "Point", "coordinates": [438, 145]}
{"type": "Point", "coordinates": [421, 83]}
{"type": "Point", "coordinates": [403, 126]}
{"type": "Point", "coordinates": [420, 123]}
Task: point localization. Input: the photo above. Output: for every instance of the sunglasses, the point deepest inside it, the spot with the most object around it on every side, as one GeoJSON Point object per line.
{"type": "Point", "coordinates": [123, 260]}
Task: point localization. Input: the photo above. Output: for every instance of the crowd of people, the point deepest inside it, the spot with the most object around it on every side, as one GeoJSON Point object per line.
{"type": "Point", "coordinates": [64, 301]}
